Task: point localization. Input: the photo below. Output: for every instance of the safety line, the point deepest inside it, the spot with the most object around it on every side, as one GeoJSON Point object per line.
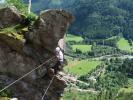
{"type": "Point", "coordinates": [48, 87]}
{"type": "Point", "coordinates": [26, 74]}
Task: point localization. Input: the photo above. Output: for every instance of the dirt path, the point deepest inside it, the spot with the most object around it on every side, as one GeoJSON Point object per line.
{"type": "Point", "coordinates": [73, 80]}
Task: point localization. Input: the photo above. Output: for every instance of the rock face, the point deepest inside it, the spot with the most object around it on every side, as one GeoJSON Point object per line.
{"type": "Point", "coordinates": [9, 16]}
{"type": "Point", "coordinates": [50, 27]}
{"type": "Point", "coordinates": [18, 58]}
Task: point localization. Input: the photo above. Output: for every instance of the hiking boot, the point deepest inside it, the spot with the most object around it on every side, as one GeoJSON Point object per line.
{"type": "Point", "coordinates": [50, 72]}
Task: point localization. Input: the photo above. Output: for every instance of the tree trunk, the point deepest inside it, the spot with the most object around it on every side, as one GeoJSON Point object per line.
{"type": "Point", "coordinates": [29, 7]}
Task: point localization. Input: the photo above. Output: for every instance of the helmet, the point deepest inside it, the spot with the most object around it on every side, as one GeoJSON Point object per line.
{"type": "Point", "coordinates": [57, 49]}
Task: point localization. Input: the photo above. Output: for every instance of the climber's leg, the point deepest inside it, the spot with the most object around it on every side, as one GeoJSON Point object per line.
{"type": "Point", "coordinates": [60, 66]}
{"type": "Point", "coordinates": [50, 72]}
{"type": "Point", "coordinates": [57, 67]}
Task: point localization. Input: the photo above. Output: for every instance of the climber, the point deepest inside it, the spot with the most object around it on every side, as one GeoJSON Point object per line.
{"type": "Point", "coordinates": [60, 62]}
{"type": "Point", "coordinates": [60, 56]}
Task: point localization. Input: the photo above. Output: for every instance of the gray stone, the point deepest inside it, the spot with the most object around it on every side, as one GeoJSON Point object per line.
{"type": "Point", "coordinates": [50, 28]}
{"type": "Point", "coordinates": [9, 16]}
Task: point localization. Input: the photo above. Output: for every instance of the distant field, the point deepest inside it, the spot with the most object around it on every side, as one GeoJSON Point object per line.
{"type": "Point", "coordinates": [124, 45]}
{"type": "Point", "coordinates": [75, 95]}
{"type": "Point", "coordinates": [81, 67]}
{"type": "Point", "coordinates": [125, 93]}
{"type": "Point", "coordinates": [127, 90]}
{"type": "Point", "coordinates": [83, 48]}
{"type": "Point", "coordinates": [74, 38]}
{"type": "Point", "coordinates": [130, 82]}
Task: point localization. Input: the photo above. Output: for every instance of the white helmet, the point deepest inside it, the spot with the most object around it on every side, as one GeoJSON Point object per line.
{"type": "Point", "coordinates": [57, 49]}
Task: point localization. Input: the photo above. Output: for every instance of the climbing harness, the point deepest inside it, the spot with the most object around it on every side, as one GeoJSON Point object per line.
{"type": "Point", "coordinates": [26, 75]}
{"type": "Point", "coordinates": [48, 87]}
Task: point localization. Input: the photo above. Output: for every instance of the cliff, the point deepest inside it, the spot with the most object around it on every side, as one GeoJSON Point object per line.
{"type": "Point", "coordinates": [22, 51]}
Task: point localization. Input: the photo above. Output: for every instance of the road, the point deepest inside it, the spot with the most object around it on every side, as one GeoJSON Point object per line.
{"type": "Point", "coordinates": [114, 56]}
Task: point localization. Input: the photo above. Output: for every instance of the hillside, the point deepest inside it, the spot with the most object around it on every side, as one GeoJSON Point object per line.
{"type": "Point", "coordinates": [95, 18]}
{"type": "Point", "coordinates": [98, 69]}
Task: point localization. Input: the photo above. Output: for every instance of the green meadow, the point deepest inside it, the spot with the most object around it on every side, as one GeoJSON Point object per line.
{"type": "Point", "coordinates": [76, 95]}
{"type": "Point", "coordinates": [81, 67]}
{"type": "Point", "coordinates": [74, 38]}
{"type": "Point", "coordinates": [124, 45]}
{"type": "Point", "coordinates": [125, 95]}
{"type": "Point", "coordinates": [126, 92]}
{"type": "Point", "coordinates": [82, 48]}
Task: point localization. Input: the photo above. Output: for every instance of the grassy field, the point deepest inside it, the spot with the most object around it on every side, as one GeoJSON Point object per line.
{"type": "Point", "coordinates": [124, 45]}
{"type": "Point", "coordinates": [130, 82]}
{"type": "Point", "coordinates": [127, 90]}
{"type": "Point", "coordinates": [82, 48]}
{"type": "Point", "coordinates": [125, 93]}
{"type": "Point", "coordinates": [74, 38]}
{"type": "Point", "coordinates": [75, 95]}
{"type": "Point", "coordinates": [81, 67]}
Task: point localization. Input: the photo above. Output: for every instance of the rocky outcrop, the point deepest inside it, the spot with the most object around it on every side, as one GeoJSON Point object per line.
{"type": "Point", "coordinates": [18, 57]}
{"type": "Point", "coordinates": [9, 16]}
{"type": "Point", "coordinates": [50, 27]}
